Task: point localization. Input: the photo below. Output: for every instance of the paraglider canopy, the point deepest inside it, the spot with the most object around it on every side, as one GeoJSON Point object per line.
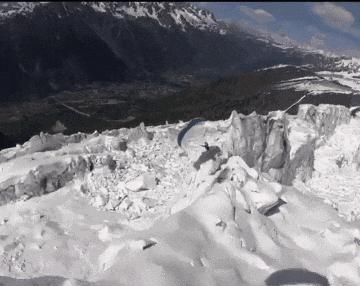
{"type": "Point", "coordinates": [190, 130]}
{"type": "Point", "coordinates": [192, 138]}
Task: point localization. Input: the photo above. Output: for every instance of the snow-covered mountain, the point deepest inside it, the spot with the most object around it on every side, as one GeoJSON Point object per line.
{"type": "Point", "coordinates": [50, 46]}
{"type": "Point", "coordinates": [167, 14]}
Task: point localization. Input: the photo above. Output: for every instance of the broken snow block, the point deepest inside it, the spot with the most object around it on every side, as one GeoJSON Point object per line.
{"type": "Point", "coordinates": [100, 200]}
{"type": "Point", "coordinates": [356, 159]}
{"type": "Point", "coordinates": [116, 143]}
{"type": "Point", "coordinates": [122, 145]}
{"type": "Point", "coordinates": [260, 195]}
{"type": "Point", "coordinates": [246, 137]}
{"type": "Point", "coordinates": [145, 181]}
{"type": "Point", "coordinates": [277, 145]}
{"type": "Point", "coordinates": [140, 132]}
{"type": "Point", "coordinates": [238, 163]}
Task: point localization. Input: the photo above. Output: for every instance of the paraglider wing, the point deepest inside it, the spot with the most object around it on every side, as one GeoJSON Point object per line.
{"type": "Point", "coordinates": [186, 129]}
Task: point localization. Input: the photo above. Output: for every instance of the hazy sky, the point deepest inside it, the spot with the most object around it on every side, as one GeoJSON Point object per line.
{"type": "Point", "coordinates": [325, 25]}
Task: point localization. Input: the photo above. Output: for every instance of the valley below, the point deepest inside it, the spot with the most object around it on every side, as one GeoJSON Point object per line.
{"type": "Point", "coordinates": [101, 106]}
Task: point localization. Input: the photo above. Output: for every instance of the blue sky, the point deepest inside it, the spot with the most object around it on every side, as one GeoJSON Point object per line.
{"type": "Point", "coordinates": [333, 26]}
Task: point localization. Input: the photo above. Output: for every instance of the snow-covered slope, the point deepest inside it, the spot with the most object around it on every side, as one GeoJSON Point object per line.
{"type": "Point", "coordinates": [131, 207]}
{"type": "Point", "coordinates": [10, 9]}
{"type": "Point", "coordinates": [341, 77]}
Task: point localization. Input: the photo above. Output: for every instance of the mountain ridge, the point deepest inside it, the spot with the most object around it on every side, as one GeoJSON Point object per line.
{"type": "Point", "coordinates": [52, 46]}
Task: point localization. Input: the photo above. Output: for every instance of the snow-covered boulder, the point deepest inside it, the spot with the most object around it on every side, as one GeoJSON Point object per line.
{"type": "Point", "coordinates": [260, 195]}
{"type": "Point", "coordinates": [139, 133]}
{"type": "Point", "coordinates": [145, 181]}
{"type": "Point", "coordinates": [261, 141]}
{"type": "Point", "coordinates": [109, 162]}
{"type": "Point", "coordinates": [58, 127]}
{"type": "Point", "coordinates": [236, 163]}
{"type": "Point", "coordinates": [356, 158]}
{"type": "Point", "coordinates": [46, 175]}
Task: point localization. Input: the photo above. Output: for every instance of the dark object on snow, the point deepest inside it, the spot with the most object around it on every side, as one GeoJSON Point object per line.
{"type": "Point", "coordinates": [110, 162]}
{"type": "Point", "coordinates": [341, 161]}
{"type": "Point", "coordinates": [91, 166]}
{"type": "Point", "coordinates": [206, 146]}
{"type": "Point", "coordinates": [207, 155]}
{"type": "Point", "coordinates": [357, 241]}
{"type": "Point", "coordinates": [294, 276]}
{"type": "Point", "coordinates": [275, 209]}
{"type": "Point", "coordinates": [149, 243]}
{"type": "Point", "coordinates": [123, 145]}
{"type": "Point", "coordinates": [192, 123]}
{"type": "Point", "coordinates": [355, 111]}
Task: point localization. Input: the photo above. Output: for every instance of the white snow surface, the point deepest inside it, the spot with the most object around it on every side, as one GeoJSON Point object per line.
{"type": "Point", "coordinates": [183, 226]}
{"type": "Point", "coordinates": [328, 82]}
{"type": "Point", "coordinates": [339, 185]}
{"type": "Point", "coordinates": [275, 67]}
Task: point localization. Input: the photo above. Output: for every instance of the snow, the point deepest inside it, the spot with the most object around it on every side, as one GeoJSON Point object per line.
{"type": "Point", "coordinates": [216, 225]}
{"type": "Point", "coordinates": [314, 86]}
{"type": "Point", "coordinates": [303, 78]}
{"type": "Point", "coordinates": [275, 67]}
{"type": "Point", "coordinates": [99, 7]}
{"type": "Point", "coordinates": [339, 185]}
{"type": "Point", "coordinates": [184, 16]}
{"type": "Point", "coordinates": [346, 78]}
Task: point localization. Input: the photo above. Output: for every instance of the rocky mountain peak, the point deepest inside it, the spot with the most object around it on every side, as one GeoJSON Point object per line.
{"type": "Point", "coordinates": [183, 15]}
